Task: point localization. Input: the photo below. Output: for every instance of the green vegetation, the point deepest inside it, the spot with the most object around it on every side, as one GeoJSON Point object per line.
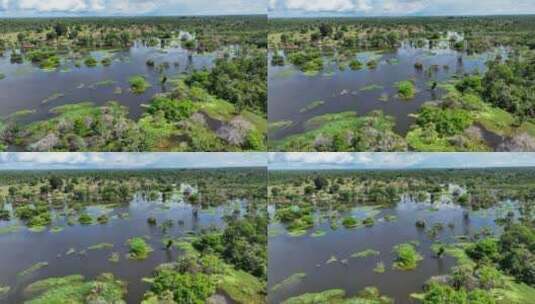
{"type": "Point", "coordinates": [406, 89]}
{"type": "Point", "coordinates": [178, 122]}
{"type": "Point", "coordinates": [227, 259]}
{"type": "Point", "coordinates": [291, 280]}
{"type": "Point", "coordinates": [369, 295]}
{"type": "Point", "coordinates": [345, 132]}
{"type": "Point", "coordinates": [350, 222]}
{"type": "Point", "coordinates": [482, 110]}
{"type": "Point", "coordinates": [32, 269]}
{"type": "Point", "coordinates": [494, 259]}
{"type": "Point", "coordinates": [365, 253]}
{"type": "Point", "coordinates": [139, 249]}
{"type": "Point", "coordinates": [105, 289]}
{"type": "Point", "coordinates": [226, 103]}
{"type": "Point", "coordinates": [407, 257]}
{"type": "Point", "coordinates": [379, 268]}
{"type": "Point", "coordinates": [90, 62]}
{"type": "Point", "coordinates": [312, 106]}
{"type": "Point", "coordinates": [138, 84]}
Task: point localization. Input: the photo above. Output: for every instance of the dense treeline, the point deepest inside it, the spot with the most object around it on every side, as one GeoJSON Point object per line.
{"type": "Point", "coordinates": [480, 32]}
{"type": "Point", "coordinates": [100, 31]}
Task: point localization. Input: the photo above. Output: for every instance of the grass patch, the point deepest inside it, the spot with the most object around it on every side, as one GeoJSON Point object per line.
{"type": "Point", "coordinates": [139, 249]}
{"type": "Point", "coordinates": [100, 246]}
{"type": "Point", "coordinates": [53, 97]}
{"type": "Point", "coordinates": [32, 269]}
{"type": "Point", "coordinates": [379, 267]}
{"type": "Point", "coordinates": [365, 253]}
{"type": "Point", "coordinates": [291, 280]}
{"type": "Point", "coordinates": [371, 87]}
{"type": "Point", "coordinates": [312, 106]}
{"type": "Point", "coordinates": [318, 233]}
{"type": "Point", "coordinates": [407, 258]}
{"type": "Point", "coordinates": [9, 229]}
{"type": "Point", "coordinates": [138, 84]}
{"type": "Point", "coordinates": [241, 286]}
{"type": "Point", "coordinates": [406, 89]}
{"type": "Point", "coordinates": [73, 289]}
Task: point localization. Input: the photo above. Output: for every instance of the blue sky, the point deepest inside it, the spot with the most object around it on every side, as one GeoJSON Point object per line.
{"type": "Point", "coordinates": [297, 160]}
{"type": "Point", "coordinates": [303, 8]}
{"type": "Point", "coordinates": [42, 8]}
{"type": "Point", "coordinates": [9, 161]}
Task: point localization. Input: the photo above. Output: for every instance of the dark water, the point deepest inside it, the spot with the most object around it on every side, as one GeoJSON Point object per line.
{"type": "Point", "coordinates": [290, 90]}
{"type": "Point", "coordinates": [22, 249]}
{"type": "Point", "coordinates": [26, 87]}
{"type": "Point", "coordinates": [289, 255]}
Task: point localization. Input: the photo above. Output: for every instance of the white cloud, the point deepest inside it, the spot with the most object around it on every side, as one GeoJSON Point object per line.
{"type": "Point", "coordinates": [75, 160]}
{"type": "Point", "coordinates": [321, 5]}
{"type": "Point", "coordinates": [404, 6]}
{"type": "Point", "coordinates": [400, 7]}
{"type": "Point", "coordinates": [57, 5]}
{"type": "Point", "coordinates": [131, 7]}
{"type": "Point", "coordinates": [396, 160]}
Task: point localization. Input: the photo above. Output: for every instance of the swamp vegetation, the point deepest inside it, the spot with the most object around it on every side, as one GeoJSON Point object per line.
{"type": "Point", "coordinates": [398, 84]}
{"type": "Point", "coordinates": [134, 84]}
{"type": "Point", "coordinates": [440, 236]}
{"type": "Point", "coordinates": [134, 236]}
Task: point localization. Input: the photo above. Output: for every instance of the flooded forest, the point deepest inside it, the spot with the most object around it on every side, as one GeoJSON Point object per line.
{"type": "Point", "coordinates": [434, 84]}
{"type": "Point", "coordinates": [133, 84]}
{"type": "Point", "coordinates": [401, 236]}
{"type": "Point", "coordinates": [133, 236]}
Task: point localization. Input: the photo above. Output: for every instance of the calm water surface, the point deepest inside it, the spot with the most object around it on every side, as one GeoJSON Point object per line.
{"type": "Point", "coordinates": [24, 248]}
{"type": "Point", "coordinates": [290, 90]}
{"type": "Point", "coordinates": [27, 87]}
{"type": "Point", "coordinates": [289, 255]}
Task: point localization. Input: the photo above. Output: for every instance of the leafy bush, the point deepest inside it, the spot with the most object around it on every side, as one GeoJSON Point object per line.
{"type": "Point", "coordinates": [173, 110]}
{"type": "Point", "coordinates": [139, 249]}
{"type": "Point", "coordinates": [447, 122]}
{"type": "Point", "coordinates": [138, 84]}
{"type": "Point", "coordinates": [406, 89]}
{"type": "Point", "coordinates": [407, 257]}
{"type": "Point", "coordinates": [192, 288]}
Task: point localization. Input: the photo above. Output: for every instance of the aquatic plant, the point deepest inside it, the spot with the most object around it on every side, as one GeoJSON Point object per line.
{"type": "Point", "coordinates": [406, 89]}
{"type": "Point", "coordinates": [365, 253]}
{"type": "Point", "coordinates": [138, 84]}
{"type": "Point", "coordinates": [379, 268]}
{"type": "Point", "coordinates": [32, 269]}
{"type": "Point", "coordinates": [355, 65]}
{"type": "Point", "coordinates": [103, 219]}
{"type": "Point", "coordinates": [85, 219]}
{"type": "Point", "coordinates": [74, 289]}
{"type": "Point", "coordinates": [369, 295]}
{"type": "Point", "coordinates": [100, 246]}
{"type": "Point", "coordinates": [407, 257]}
{"type": "Point", "coordinates": [291, 280]}
{"type": "Point", "coordinates": [106, 61]}
{"type": "Point", "coordinates": [151, 220]}
{"type": "Point", "coordinates": [139, 249]}
{"type": "Point", "coordinates": [90, 62]}
{"type": "Point", "coordinates": [369, 221]}
{"type": "Point", "coordinates": [350, 222]}
{"type": "Point", "coordinates": [312, 106]}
